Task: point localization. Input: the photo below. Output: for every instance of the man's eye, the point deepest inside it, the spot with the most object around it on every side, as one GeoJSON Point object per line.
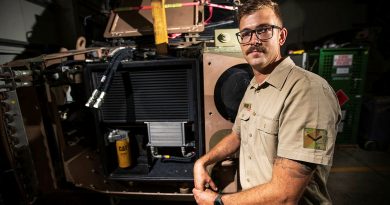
{"type": "Point", "coordinates": [261, 30]}
{"type": "Point", "coordinates": [245, 34]}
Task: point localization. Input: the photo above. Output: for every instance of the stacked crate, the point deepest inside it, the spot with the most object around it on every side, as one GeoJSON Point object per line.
{"type": "Point", "coordinates": [345, 70]}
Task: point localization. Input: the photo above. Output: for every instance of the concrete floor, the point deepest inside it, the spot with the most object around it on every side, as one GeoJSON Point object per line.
{"type": "Point", "coordinates": [358, 177]}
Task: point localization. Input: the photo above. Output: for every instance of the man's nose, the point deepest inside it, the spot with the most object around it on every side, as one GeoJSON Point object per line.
{"type": "Point", "coordinates": [255, 40]}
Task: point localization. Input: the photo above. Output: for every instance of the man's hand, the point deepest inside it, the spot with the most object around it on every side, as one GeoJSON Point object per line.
{"type": "Point", "coordinates": [206, 197]}
{"type": "Point", "coordinates": [202, 178]}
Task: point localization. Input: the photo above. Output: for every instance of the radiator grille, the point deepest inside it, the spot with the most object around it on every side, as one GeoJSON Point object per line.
{"type": "Point", "coordinates": [166, 134]}
{"type": "Point", "coordinates": [149, 92]}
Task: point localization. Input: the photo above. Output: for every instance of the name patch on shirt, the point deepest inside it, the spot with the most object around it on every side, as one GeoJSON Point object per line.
{"type": "Point", "coordinates": [247, 106]}
{"type": "Point", "coordinates": [315, 138]}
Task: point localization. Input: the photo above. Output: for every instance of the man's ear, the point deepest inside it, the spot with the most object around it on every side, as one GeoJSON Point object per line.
{"type": "Point", "coordinates": [282, 36]}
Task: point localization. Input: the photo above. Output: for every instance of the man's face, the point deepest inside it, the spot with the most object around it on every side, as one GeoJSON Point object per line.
{"type": "Point", "coordinates": [260, 53]}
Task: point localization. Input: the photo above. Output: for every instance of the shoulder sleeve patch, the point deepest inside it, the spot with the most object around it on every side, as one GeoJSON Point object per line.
{"type": "Point", "coordinates": [315, 138]}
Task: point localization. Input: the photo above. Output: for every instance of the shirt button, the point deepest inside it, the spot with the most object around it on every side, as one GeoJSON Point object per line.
{"type": "Point", "coordinates": [250, 135]}
{"type": "Point", "coordinates": [254, 113]}
{"type": "Point", "coordinates": [250, 157]}
{"type": "Point", "coordinates": [247, 179]}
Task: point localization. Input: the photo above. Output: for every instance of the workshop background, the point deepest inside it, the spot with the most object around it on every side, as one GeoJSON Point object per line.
{"type": "Point", "coordinates": [345, 41]}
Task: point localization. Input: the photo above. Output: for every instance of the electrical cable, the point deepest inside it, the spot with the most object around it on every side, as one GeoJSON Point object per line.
{"type": "Point", "coordinates": [210, 13]}
{"type": "Point", "coordinates": [176, 159]}
{"type": "Point", "coordinates": [187, 158]}
{"type": "Point", "coordinates": [174, 5]}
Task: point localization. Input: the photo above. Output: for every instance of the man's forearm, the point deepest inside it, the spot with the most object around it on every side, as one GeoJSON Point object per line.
{"type": "Point", "coordinates": [227, 146]}
{"type": "Point", "coordinates": [288, 183]}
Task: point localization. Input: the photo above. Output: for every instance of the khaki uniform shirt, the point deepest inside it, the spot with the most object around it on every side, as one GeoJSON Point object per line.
{"type": "Point", "coordinates": [293, 114]}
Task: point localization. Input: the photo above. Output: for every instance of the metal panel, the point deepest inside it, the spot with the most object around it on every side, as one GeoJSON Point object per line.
{"type": "Point", "coordinates": [125, 21]}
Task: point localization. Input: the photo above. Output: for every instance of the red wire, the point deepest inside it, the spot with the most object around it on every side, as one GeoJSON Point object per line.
{"type": "Point", "coordinates": [210, 13]}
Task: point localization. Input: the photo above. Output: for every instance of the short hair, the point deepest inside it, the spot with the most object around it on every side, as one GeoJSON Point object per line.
{"type": "Point", "coordinates": [251, 6]}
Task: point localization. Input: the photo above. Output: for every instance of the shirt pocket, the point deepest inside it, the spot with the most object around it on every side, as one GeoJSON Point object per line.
{"type": "Point", "coordinates": [267, 138]}
{"type": "Point", "coordinates": [267, 125]}
{"type": "Point", "coordinates": [245, 114]}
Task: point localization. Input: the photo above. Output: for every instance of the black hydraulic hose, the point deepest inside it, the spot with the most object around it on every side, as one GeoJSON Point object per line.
{"type": "Point", "coordinates": [107, 71]}
{"type": "Point", "coordinates": [105, 82]}
{"type": "Point", "coordinates": [176, 159]}
{"type": "Point", "coordinates": [123, 55]}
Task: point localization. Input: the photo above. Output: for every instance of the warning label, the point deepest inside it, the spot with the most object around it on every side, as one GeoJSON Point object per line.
{"type": "Point", "coordinates": [342, 97]}
{"type": "Point", "coordinates": [342, 60]}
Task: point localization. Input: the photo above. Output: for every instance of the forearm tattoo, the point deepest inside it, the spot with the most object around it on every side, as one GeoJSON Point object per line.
{"type": "Point", "coordinates": [296, 169]}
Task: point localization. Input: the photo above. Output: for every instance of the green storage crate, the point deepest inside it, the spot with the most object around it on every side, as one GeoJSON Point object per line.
{"type": "Point", "coordinates": [312, 63]}
{"type": "Point", "coordinates": [345, 70]}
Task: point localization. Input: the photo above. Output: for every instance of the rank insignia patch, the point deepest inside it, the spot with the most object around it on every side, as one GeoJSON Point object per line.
{"type": "Point", "coordinates": [315, 138]}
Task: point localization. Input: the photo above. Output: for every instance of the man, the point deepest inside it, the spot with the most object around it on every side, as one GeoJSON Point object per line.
{"type": "Point", "coordinates": [286, 125]}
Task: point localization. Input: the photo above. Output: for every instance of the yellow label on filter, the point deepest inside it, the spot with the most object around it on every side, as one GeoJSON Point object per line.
{"type": "Point", "coordinates": [122, 150]}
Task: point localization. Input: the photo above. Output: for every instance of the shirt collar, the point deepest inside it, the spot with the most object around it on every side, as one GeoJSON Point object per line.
{"type": "Point", "coordinates": [278, 76]}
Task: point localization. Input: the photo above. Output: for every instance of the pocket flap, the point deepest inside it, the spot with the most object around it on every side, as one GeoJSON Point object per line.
{"type": "Point", "coordinates": [269, 126]}
{"type": "Point", "coordinates": [245, 114]}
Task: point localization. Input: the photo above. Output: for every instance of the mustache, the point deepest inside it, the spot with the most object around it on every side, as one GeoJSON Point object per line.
{"type": "Point", "coordinates": [256, 47]}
